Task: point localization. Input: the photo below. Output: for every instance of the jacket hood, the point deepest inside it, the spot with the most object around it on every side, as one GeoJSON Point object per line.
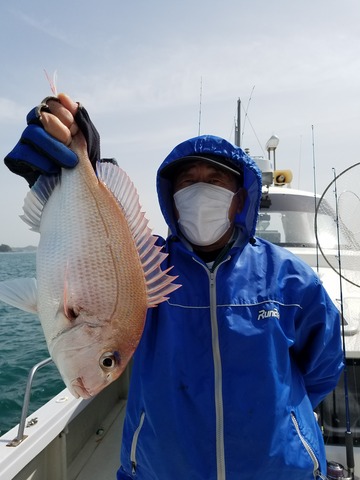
{"type": "Point", "coordinates": [235, 156]}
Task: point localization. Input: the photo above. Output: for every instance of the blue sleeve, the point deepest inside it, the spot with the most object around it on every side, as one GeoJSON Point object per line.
{"type": "Point", "coordinates": [317, 348]}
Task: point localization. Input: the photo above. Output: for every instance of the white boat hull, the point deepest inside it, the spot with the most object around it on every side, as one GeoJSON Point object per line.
{"type": "Point", "coordinates": [70, 438]}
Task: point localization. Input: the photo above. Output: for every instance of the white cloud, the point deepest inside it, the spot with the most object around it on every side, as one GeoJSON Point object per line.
{"type": "Point", "coordinates": [46, 26]}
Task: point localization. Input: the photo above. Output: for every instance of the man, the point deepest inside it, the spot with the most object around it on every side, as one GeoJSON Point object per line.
{"type": "Point", "coordinates": [230, 368]}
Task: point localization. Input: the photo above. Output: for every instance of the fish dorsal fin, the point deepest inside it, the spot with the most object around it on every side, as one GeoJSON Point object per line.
{"type": "Point", "coordinates": [20, 293]}
{"type": "Point", "coordinates": [158, 282]}
{"type": "Point", "coordinates": [36, 199]}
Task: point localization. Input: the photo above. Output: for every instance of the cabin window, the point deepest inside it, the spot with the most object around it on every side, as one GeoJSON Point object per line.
{"type": "Point", "coordinates": [289, 221]}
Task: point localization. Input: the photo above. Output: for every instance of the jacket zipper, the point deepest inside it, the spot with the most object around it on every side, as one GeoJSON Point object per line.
{"type": "Point", "coordinates": [219, 410]}
{"type": "Point", "coordinates": [134, 444]}
{"type": "Point", "coordinates": [310, 451]}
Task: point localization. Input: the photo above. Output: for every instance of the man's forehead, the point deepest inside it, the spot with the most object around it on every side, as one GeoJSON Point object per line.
{"type": "Point", "coordinates": [186, 163]}
{"type": "Point", "coordinates": [194, 167]}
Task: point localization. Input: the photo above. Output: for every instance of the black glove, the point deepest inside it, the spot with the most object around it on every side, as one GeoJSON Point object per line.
{"type": "Point", "coordinates": [38, 152]}
{"type": "Point", "coordinates": [90, 133]}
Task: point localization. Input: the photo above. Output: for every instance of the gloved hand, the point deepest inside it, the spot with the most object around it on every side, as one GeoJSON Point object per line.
{"type": "Point", "coordinates": [38, 152]}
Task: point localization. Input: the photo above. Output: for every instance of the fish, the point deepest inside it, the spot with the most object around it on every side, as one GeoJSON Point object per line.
{"type": "Point", "coordinates": [97, 271]}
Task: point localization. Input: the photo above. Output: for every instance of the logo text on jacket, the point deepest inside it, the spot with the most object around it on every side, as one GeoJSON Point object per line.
{"type": "Point", "coordinates": [263, 314]}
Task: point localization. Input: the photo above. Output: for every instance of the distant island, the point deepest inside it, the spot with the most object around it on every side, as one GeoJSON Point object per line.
{"type": "Point", "coordinates": [7, 248]}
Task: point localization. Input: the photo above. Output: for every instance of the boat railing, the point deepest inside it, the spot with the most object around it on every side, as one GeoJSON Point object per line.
{"type": "Point", "coordinates": [20, 436]}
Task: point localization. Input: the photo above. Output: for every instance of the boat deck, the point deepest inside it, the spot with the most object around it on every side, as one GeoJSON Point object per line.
{"type": "Point", "coordinates": [69, 439]}
{"type": "Point", "coordinates": [102, 461]}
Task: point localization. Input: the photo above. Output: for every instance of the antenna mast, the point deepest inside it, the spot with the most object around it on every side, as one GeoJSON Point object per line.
{"type": "Point", "coordinates": [238, 124]}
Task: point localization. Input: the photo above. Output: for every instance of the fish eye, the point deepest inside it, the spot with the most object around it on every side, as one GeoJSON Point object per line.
{"type": "Point", "coordinates": [109, 360]}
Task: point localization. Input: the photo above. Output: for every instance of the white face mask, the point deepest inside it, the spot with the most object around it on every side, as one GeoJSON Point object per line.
{"type": "Point", "coordinates": [203, 212]}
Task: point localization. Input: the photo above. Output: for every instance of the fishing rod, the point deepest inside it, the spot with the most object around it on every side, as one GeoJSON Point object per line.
{"type": "Point", "coordinates": [314, 181]}
{"type": "Point", "coordinates": [349, 446]}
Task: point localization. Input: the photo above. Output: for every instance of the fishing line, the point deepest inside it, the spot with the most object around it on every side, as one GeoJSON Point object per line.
{"type": "Point", "coordinates": [246, 114]}
{"type": "Point", "coordinates": [239, 137]}
{"type": "Point", "coordinates": [257, 138]}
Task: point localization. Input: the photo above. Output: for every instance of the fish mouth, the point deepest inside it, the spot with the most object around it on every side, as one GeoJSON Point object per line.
{"type": "Point", "coordinates": [79, 388]}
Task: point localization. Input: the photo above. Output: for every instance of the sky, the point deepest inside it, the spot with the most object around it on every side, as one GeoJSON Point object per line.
{"type": "Point", "coordinates": [154, 73]}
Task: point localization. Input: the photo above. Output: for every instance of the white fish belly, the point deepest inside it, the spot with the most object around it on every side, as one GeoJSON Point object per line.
{"type": "Point", "coordinates": [80, 259]}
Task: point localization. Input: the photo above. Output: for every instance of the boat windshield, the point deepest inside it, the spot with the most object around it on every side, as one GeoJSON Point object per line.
{"type": "Point", "coordinates": [289, 220]}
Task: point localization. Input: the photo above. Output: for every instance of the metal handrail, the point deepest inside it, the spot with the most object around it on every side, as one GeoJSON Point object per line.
{"type": "Point", "coordinates": [20, 436]}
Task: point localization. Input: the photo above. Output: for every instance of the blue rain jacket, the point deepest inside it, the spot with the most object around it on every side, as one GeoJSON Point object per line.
{"type": "Point", "coordinates": [230, 368]}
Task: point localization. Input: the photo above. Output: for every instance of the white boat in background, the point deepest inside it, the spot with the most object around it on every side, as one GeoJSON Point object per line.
{"type": "Point", "coordinates": [287, 218]}
{"type": "Point", "coordinates": [68, 439]}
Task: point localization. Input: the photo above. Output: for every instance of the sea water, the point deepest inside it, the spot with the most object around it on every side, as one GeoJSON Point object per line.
{"type": "Point", "coordinates": [22, 345]}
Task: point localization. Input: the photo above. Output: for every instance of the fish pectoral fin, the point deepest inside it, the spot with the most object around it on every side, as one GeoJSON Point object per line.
{"type": "Point", "coordinates": [20, 293]}
{"type": "Point", "coordinates": [36, 199]}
